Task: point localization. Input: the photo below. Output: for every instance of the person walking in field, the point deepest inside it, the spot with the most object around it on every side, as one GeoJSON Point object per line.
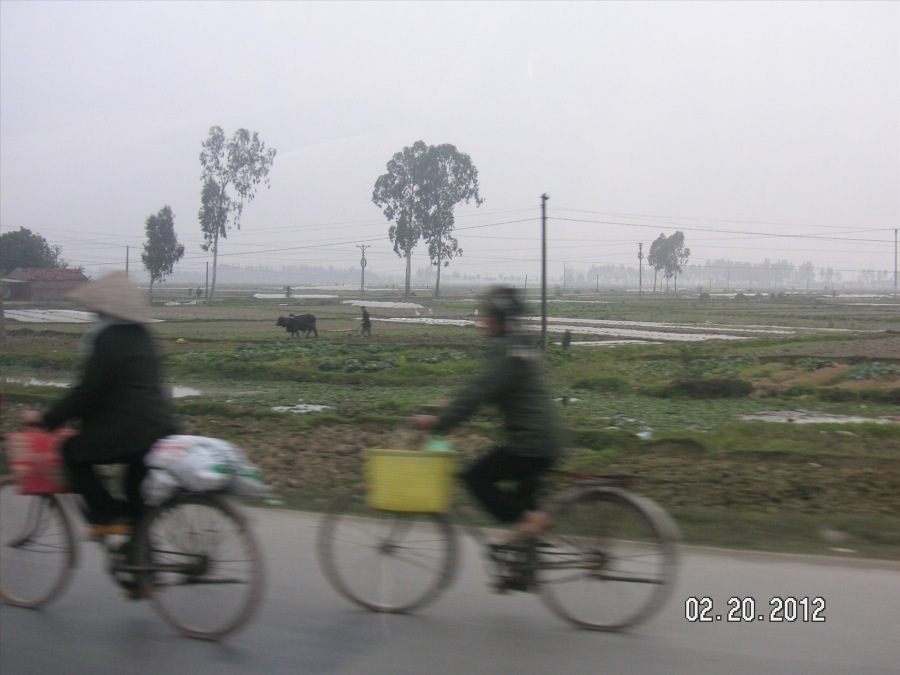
{"type": "Point", "coordinates": [366, 329]}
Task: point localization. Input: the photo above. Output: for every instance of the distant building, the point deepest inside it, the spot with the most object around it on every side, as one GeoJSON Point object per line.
{"type": "Point", "coordinates": [36, 283]}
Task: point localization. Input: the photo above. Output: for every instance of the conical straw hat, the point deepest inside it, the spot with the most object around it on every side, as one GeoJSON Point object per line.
{"type": "Point", "coordinates": [112, 295]}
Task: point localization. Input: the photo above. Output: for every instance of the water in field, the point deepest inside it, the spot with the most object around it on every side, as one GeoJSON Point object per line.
{"type": "Point", "coordinates": [383, 304]}
{"type": "Point", "coordinates": [50, 316]}
{"type": "Point", "coordinates": [177, 391]}
{"type": "Point", "coordinates": [804, 417]}
{"type": "Point", "coordinates": [301, 408]}
{"type": "Point", "coordinates": [307, 296]}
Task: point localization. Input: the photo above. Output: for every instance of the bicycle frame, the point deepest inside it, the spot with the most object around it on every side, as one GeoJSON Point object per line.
{"type": "Point", "coordinates": [574, 482]}
{"type": "Point", "coordinates": [174, 546]}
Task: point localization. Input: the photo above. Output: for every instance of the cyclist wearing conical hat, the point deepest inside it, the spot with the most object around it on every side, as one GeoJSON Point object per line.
{"type": "Point", "coordinates": [119, 403]}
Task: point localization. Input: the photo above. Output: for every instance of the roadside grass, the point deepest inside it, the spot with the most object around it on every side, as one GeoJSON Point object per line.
{"type": "Point", "coordinates": [840, 535]}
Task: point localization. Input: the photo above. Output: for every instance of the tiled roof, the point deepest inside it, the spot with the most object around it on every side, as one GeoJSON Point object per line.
{"type": "Point", "coordinates": [46, 274]}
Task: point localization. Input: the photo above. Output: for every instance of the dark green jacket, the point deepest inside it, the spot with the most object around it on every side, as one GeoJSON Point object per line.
{"type": "Point", "coordinates": [119, 401]}
{"type": "Point", "coordinates": [512, 381]}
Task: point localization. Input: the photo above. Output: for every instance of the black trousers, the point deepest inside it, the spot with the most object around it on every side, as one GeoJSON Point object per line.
{"type": "Point", "coordinates": [102, 507]}
{"type": "Point", "coordinates": [506, 504]}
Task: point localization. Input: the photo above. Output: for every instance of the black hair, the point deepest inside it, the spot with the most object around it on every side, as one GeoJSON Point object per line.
{"type": "Point", "coordinates": [504, 304]}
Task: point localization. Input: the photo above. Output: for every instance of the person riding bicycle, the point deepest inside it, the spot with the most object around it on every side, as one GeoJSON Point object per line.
{"type": "Point", "coordinates": [512, 381]}
{"type": "Point", "coordinates": [119, 403]}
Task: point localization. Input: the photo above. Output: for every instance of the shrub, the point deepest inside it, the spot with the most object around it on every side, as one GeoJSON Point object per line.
{"type": "Point", "coordinates": [724, 387]}
{"type": "Point", "coordinates": [599, 383]}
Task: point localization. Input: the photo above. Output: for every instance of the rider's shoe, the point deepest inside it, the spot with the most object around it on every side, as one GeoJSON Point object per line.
{"type": "Point", "coordinates": [515, 566]}
{"type": "Point", "coordinates": [133, 591]}
{"type": "Point", "coordinates": [137, 593]}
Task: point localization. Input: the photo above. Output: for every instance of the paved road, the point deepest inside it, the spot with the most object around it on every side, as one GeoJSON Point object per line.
{"type": "Point", "coordinates": [304, 627]}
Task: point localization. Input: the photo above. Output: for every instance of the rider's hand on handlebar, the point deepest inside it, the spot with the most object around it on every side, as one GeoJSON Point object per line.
{"type": "Point", "coordinates": [423, 422]}
{"type": "Point", "coordinates": [31, 418]}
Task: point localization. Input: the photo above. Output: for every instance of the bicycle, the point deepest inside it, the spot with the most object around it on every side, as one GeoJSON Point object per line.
{"type": "Point", "coordinates": [194, 557]}
{"type": "Point", "coordinates": [606, 563]}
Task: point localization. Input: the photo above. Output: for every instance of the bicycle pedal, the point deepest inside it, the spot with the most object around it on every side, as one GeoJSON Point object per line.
{"type": "Point", "coordinates": [509, 553]}
{"type": "Point", "coordinates": [499, 587]}
{"type": "Point", "coordinates": [137, 593]}
{"type": "Point", "coordinates": [517, 583]}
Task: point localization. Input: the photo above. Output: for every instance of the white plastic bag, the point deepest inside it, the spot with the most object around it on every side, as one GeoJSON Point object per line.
{"type": "Point", "coordinates": [158, 486]}
{"type": "Point", "coordinates": [202, 464]}
{"type": "Point", "coordinates": [198, 463]}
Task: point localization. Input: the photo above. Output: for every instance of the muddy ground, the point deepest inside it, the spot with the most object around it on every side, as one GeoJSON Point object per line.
{"type": "Point", "coordinates": [329, 456]}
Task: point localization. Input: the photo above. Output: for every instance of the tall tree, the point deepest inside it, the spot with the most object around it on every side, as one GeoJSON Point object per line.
{"type": "Point", "coordinates": [807, 273]}
{"type": "Point", "coordinates": [676, 256]}
{"type": "Point", "coordinates": [657, 257]}
{"type": "Point", "coordinates": [239, 165]}
{"type": "Point", "coordinates": [449, 178]}
{"type": "Point", "coordinates": [161, 250]}
{"type": "Point", "coordinates": [398, 192]}
{"type": "Point", "coordinates": [24, 248]}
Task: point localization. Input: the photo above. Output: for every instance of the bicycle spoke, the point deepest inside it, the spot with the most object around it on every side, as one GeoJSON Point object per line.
{"type": "Point", "coordinates": [619, 576]}
{"type": "Point", "coordinates": [191, 546]}
{"type": "Point", "coordinates": [386, 562]}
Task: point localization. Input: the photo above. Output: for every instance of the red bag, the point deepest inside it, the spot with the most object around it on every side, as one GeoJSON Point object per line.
{"type": "Point", "coordinates": [36, 461]}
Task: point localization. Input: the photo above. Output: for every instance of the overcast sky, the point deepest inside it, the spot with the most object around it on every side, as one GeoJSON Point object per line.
{"type": "Point", "coordinates": [760, 129]}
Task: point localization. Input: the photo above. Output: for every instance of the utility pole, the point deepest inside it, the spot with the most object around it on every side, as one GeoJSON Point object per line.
{"type": "Point", "coordinates": [640, 270]}
{"type": "Point", "coordinates": [544, 199]}
{"type": "Point", "coordinates": [895, 263]}
{"type": "Point", "coordinates": [126, 262]}
{"type": "Point", "coordinates": [362, 265]}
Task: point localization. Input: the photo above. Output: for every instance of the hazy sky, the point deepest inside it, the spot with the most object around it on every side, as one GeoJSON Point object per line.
{"type": "Point", "coordinates": [737, 122]}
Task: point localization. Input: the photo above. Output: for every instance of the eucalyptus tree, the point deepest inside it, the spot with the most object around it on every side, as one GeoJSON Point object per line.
{"type": "Point", "coordinates": [668, 255]}
{"type": "Point", "coordinates": [676, 256]}
{"type": "Point", "coordinates": [657, 256]}
{"type": "Point", "coordinates": [422, 186]}
{"type": "Point", "coordinates": [237, 165]}
{"type": "Point", "coordinates": [398, 193]}
{"type": "Point", "coordinates": [807, 273]}
{"type": "Point", "coordinates": [449, 178]}
{"type": "Point", "coordinates": [161, 250]}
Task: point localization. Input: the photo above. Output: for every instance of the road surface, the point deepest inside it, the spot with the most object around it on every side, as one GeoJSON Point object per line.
{"type": "Point", "coordinates": [305, 627]}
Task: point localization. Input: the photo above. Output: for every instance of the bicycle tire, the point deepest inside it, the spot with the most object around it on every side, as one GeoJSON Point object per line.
{"type": "Point", "coordinates": [200, 564]}
{"type": "Point", "coordinates": [37, 546]}
{"type": "Point", "coordinates": [385, 561]}
{"type": "Point", "coordinates": [608, 561]}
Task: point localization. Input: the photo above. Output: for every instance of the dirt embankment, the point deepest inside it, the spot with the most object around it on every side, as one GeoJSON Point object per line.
{"type": "Point", "coordinates": [327, 457]}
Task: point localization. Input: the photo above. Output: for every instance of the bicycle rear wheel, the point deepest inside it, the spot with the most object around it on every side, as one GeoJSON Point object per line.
{"type": "Point", "coordinates": [608, 561]}
{"type": "Point", "coordinates": [385, 561]}
{"type": "Point", "coordinates": [37, 547]}
{"type": "Point", "coordinates": [200, 564]}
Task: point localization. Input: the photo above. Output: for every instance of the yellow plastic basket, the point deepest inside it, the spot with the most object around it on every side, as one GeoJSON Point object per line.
{"type": "Point", "coordinates": [409, 480]}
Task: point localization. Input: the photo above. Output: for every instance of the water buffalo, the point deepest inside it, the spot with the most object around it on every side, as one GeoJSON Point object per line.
{"type": "Point", "coordinates": [305, 323]}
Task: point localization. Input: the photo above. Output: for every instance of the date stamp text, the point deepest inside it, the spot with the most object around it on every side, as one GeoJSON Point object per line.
{"type": "Point", "coordinates": [778, 609]}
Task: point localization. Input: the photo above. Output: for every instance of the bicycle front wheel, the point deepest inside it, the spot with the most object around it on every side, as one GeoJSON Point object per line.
{"type": "Point", "coordinates": [200, 564]}
{"type": "Point", "coordinates": [37, 547]}
{"type": "Point", "coordinates": [608, 561]}
{"type": "Point", "coordinates": [385, 561]}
